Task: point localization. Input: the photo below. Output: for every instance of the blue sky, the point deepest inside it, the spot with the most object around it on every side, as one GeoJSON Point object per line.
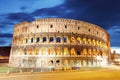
{"type": "Point", "coordinates": [105, 13]}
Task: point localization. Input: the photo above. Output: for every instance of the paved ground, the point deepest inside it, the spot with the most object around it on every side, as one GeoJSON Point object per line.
{"type": "Point", "coordinates": [102, 74]}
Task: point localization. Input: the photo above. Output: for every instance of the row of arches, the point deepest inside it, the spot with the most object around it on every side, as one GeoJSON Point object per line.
{"type": "Point", "coordinates": [59, 39]}
{"type": "Point", "coordinates": [59, 51]}
{"type": "Point", "coordinates": [55, 63]}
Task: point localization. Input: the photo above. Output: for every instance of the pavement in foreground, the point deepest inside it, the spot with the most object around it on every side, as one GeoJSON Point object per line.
{"type": "Point", "coordinates": [101, 74]}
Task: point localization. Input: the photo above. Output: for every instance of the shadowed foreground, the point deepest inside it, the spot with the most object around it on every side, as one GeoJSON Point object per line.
{"type": "Point", "coordinates": [104, 74]}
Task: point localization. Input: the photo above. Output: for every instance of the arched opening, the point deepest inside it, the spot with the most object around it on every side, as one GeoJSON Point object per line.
{"type": "Point", "coordinates": [66, 64]}
{"type": "Point", "coordinates": [78, 64]}
{"type": "Point", "coordinates": [58, 39]}
{"type": "Point", "coordinates": [94, 42]}
{"type": "Point", "coordinates": [100, 43]}
{"type": "Point", "coordinates": [89, 52]}
{"type": "Point", "coordinates": [57, 62]}
{"type": "Point", "coordinates": [72, 40]}
{"type": "Point", "coordinates": [89, 41]}
{"type": "Point", "coordinates": [31, 40]}
{"type": "Point", "coordinates": [35, 63]}
{"type": "Point", "coordinates": [24, 62]}
{"type": "Point", "coordinates": [30, 63]}
{"type": "Point", "coordinates": [72, 63]}
{"type": "Point", "coordinates": [38, 40]}
{"type": "Point", "coordinates": [101, 54]}
{"type": "Point", "coordinates": [94, 52]}
{"type": "Point", "coordinates": [51, 62]}
{"type": "Point", "coordinates": [78, 40]}
{"type": "Point", "coordinates": [51, 39]}
{"type": "Point", "coordinates": [97, 43]}
{"type": "Point", "coordinates": [65, 39]}
{"type": "Point", "coordinates": [84, 41]}
{"type": "Point", "coordinates": [78, 52]}
{"type": "Point", "coordinates": [85, 51]}
{"type": "Point", "coordinates": [36, 51]}
{"type": "Point", "coordinates": [66, 51]}
{"type": "Point", "coordinates": [58, 52]}
{"type": "Point", "coordinates": [72, 51]}
{"type": "Point", "coordinates": [43, 51]}
{"type": "Point", "coordinates": [44, 39]}
{"type": "Point", "coordinates": [50, 51]}
{"type": "Point", "coordinates": [30, 51]}
{"type": "Point", "coordinates": [43, 63]}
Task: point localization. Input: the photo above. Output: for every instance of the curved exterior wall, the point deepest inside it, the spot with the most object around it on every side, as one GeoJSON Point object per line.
{"type": "Point", "coordinates": [59, 43]}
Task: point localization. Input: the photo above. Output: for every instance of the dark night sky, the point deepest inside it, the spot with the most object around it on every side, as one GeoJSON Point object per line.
{"type": "Point", "coordinates": [105, 13]}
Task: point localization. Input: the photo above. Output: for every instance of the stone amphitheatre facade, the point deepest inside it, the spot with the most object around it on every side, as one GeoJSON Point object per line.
{"type": "Point", "coordinates": [59, 43]}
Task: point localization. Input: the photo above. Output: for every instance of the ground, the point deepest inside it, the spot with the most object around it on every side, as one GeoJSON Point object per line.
{"type": "Point", "coordinates": [110, 72]}
{"type": "Point", "coordinates": [98, 74]}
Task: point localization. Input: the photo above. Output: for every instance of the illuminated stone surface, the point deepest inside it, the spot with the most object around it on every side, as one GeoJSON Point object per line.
{"type": "Point", "coordinates": [59, 43]}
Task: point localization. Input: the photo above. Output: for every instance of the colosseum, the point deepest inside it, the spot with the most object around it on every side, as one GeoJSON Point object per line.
{"type": "Point", "coordinates": [58, 43]}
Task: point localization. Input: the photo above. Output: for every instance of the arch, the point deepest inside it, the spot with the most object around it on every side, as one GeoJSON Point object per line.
{"type": "Point", "coordinates": [51, 39]}
{"type": "Point", "coordinates": [43, 51]}
{"type": "Point", "coordinates": [84, 41]}
{"type": "Point", "coordinates": [97, 42]}
{"type": "Point", "coordinates": [101, 53]}
{"type": "Point", "coordinates": [50, 62]}
{"type": "Point", "coordinates": [31, 40]}
{"type": "Point", "coordinates": [36, 51]}
{"type": "Point", "coordinates": [85, 51]}
{"type": "Point", "coordinates": [79, 40]}
{"type": "Point", "coordinates": [72, 51]}
{"type": "Point", "coordinates": [97, 52]}
{"type": "Point", "coordinates": [78, 63]}
{"type": "Point", "coordinates": [30, 62]}
{"type": "Point", "coordinates": [89, 52]}
{"type": "Point", "coordinates": [78, 52]}
{"type": "Point", "coordinates": [24, 61]}
{"type": "Point", "coordinates": [65, 39]}
{"type": "Point", "coordinates": [51, 51]}
{"type": "Point", "coordinates": [37, 39]}
{"type": "Point", "coordinates": [66, 64]}
{"type": "Point", "coordinates": [72, 40]}
{"type": "Point", "coordinates": [58, 39]}
{"type": "Point", "coordinates": [66, 51]}
{"type": "Point", "coordinates": [43, 63]}
{"type": "Point", "coordinates": [57, 62]}
{"type": "Point", "coordinates": [30, 51]}
{"type": "Point", "coordinates": [35, 63]}
{"type": "Point", "coordinates": [58, 52]}
{"type": "Point", "coordinates": [89, 41]}
{"type": "Point", "coordinates": [94, 52]}
{"type": "Point", "coordinates": [44, 39]}
{"type": "Point", "coordinates": [72, 63]}
{"type": "Point", "coordinates": [94, 42]}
